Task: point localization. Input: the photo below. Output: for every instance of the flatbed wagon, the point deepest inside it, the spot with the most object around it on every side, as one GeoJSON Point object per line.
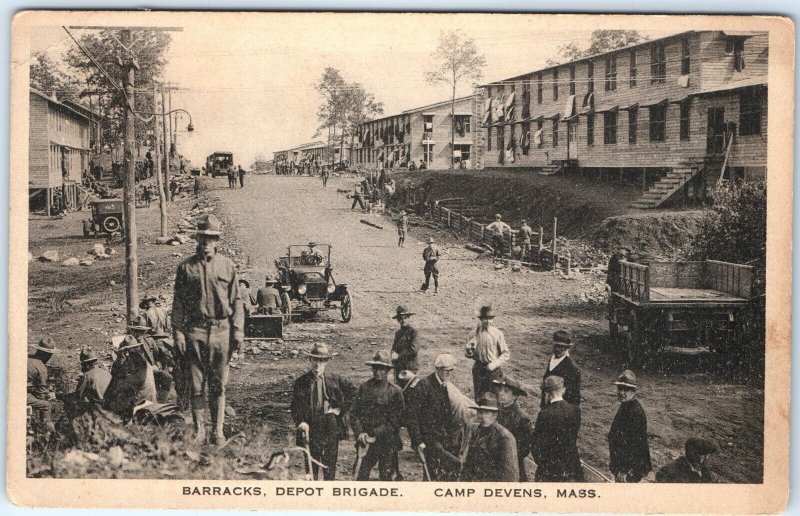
{"type": "Point", "coordinates": [683, 307]}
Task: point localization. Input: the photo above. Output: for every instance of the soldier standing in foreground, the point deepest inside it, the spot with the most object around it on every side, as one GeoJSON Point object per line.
{"type": "Point", "coordinates": [376, 418]}
{"type": "Point", "coordinates": [627, 440]}
{"type": "Point", "coordinates": [514, 419]}
{"type": "Point", "coordinates": [431, 257]}
{"type": "Point", "coordinates": [491, 448]}
{"type": "Point", "coordinates": [208, 321]}
{"type": "Point", "coordinates": [487, 346]}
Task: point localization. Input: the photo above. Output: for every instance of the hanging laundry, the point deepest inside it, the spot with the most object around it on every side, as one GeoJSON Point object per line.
{"type": "Point", "coordinates": [588, 100]}
{"type": "Point", "coordinates": [683, 81]}
{"type": "Point", "coordinates": [526, 140]}
{"type": "Point", "coordinates": [508, 107]}
{"type": "Point", "coordinates": [487, 112]}
{"type": "Point", "coordinates": [497, 108]}
{"type": "Point", "coordinates": [569, 108]}
{"type": "Point", "coordinates": [537, 137]}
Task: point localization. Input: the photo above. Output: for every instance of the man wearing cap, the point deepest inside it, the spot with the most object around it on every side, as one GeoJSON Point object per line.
{"type": "Point", "coordinates": [406, 344]}
{"type": "Point", "coordinates": [561, 364]}
{"type": "Point", "coordinates": [157, 317]}
{"type": "Point", "coordinates": [555, 436]}
{"type": "Point", "coordinates": [431, 256]}
{"type": "Point", "coordinates": [38, 392]}
{"type": "Point", "coordinates": [514, 419]}
{"type": "Point", "coordinates": [268, 298]}
{"type": "Point", "coordinates": [376, 418]}
{"type": "Point", "coordinates": [208, 321]}
{"type": "Point", "coordinates": [497, 229]}
{"type": "Point", "coordinates": [402, 227]}
{"type": "Point", "coordinates": [132, 380]}
{"type": "Point", "coordinates": [627, 439]}
{"type": "Point", "coordinates": [432, 426]}
{"type": "Point", "coordinates": [491, 450]}
{"type": "Point", "coordinates": [692, 467]}
{"type": "Point", "coordinates": [320, 404]}
{"type": "Point", "coordinates": [487, 347]}
{"type": "Point", "coordinates": [94, 380]}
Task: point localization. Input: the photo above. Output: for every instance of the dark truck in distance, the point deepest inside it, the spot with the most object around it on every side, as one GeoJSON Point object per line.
{"type": "Point", "coordinates": [219, 163]}
{"type": "Point", "coordinates": [107, 218]}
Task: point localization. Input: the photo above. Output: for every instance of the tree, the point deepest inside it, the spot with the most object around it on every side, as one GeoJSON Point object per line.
{"type": "Point", "coordinates": [455, 59]}
{"type": "Point", "coordinates": [602, 40]}
{"type": "Point", "coordinates": [49, 79]}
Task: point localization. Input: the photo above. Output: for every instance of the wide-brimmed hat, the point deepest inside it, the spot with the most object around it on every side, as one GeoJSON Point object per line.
{"type": "Point", "coordinates": [402, 311]}
{"type": "Point", "coordinates": [445, 361]}
{"type": "Point", "coordinates": [129, 342]}
{"type": "Point", "coordinates": [88, 355]}
{"type": "Point", "coordinates": [209, 226]}
{"type": "Point", "coordinates": [626, 379]}
{"type": "Point", "coordinates": [47, 344]}
{"type": "Point", "coordinates": [488, 402]}
{"type": "Point", "coordinates": [138, 323]}
{"type": "Point", "coordinates": [430, 240]}
{"type": "Point", "coordinates": [381, 359]}
{"type": "Point", "coordinates": [312, 244]}
{"type": "Point", "coordinates": [145, 300]}
{"type": "Point", "coordinates": [270, 279]}
{"type": "Point", "coordinates": [160, 334]}
{"type": "Point", "coordinates": [562, 338]}
{"type": "Point", "coordinates": [511, 383]}
{"type": "Point", "coordinates": [245, 281]}
{"type": "Point", "coordinates": [320, 350]}
{"type": "Point", "coordinates": [486, 312]}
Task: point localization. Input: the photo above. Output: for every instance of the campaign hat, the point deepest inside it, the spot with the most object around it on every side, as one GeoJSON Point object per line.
{"type": "Point", "coordinates": [402, 311]}
{"type": "Point", "coordinates": [209, 226]}
{"type": "Point", "coordinates": [511, 383]}
{"type": "Point", "coordinates": [488, 402]}
{"type": "Point", "coordinates": [320, 350]}
{"type": "Point", "coordinates": [381, 359]}
{"type": "Point", "coordinates": [46, 344]}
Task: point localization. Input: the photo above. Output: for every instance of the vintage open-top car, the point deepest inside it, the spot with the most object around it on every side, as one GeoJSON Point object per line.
{"type": "Point", "coordinates": [306, 278]}
{"type": "Point", "coordinates": [107, 218]}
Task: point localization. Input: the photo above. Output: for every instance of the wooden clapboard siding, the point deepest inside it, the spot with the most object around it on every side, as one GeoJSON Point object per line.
{"type": "Point", "coordinates": [38, 145]}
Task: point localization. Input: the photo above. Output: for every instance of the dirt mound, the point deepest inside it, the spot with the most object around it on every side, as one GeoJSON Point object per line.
{"type": "Point", "coordinates": [664, 234]}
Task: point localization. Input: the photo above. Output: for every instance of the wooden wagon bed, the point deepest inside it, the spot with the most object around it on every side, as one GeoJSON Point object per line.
{"type": "Point", "coordinates": [691, 295]}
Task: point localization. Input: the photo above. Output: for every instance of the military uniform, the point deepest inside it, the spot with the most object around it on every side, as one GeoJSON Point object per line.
{"type": "Point", "coordinates": [431, 257]}
{"type": "Point", "coordinates": [158, 319]}
{"type": "Point", "coordinates": [132, 380]}
{"type": "Point", "coordinates": [38, 393]}
{"type": "Point", "coordinates": [406, 345]}
{"type": "Point", "coordinates": [268, 300]}
{"type": "Point", "coordinates": [491, 455]}
{"type": "Point", "coordinates": [378, 412]}
{"type": "Point", "coordinates": [93, 385]}
{"type": "Point", "coordinates": [520, 426]}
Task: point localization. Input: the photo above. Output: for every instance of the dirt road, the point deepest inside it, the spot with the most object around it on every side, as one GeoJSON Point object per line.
{"type": "Point", "coordinates": [272, 212]}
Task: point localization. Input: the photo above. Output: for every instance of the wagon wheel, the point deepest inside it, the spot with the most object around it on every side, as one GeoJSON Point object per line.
{"type": "Point", "coordinates": [287, 308]}
{"type": "Point", "coordinates": [347, 307]}
{"type": "Point", "coordinates": [111, 224]}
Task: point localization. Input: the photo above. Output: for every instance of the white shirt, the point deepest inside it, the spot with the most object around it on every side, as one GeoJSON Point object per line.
{"type": "Point", "coordinates": [555, 361]}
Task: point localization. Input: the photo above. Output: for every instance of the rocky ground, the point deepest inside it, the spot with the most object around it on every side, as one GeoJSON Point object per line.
{"type": "Point", "coordinates": [80, 305]}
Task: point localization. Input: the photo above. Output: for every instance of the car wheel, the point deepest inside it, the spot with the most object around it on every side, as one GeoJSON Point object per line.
{"type": "Point", "coordinates": [111, 224]}
{"type": "Point", "coordinates": [347, 307]}
{"type": "Point", "coordinates": [287, 308]}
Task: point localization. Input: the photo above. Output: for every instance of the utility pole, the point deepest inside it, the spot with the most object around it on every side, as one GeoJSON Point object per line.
{"type": "Point", "coordinates": [166, 144]}
{"type": "Point", "coordinates": [157, 121]}
{"type": "Point", "coordinates": [129, 183]}
{"type": "Point", "coordinates": [169, 109]}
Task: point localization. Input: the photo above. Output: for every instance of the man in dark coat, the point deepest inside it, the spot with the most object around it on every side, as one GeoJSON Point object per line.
{"type": "Point", "coordinates": [614, 273]}
{"type": "Point", "coordinates": [691, 468]}
{"type": "Point", "coordinates": [268, 298]}
{"type": "Point", "coordinates": [555, 436]}
{"type": "Point", "coordinates": [132, 381]}
{"type": "Point", "coordinates": [491, 449]}
{"type": "Point", "coordinates": [376, 417]}
{"type": "Point", "coordinates": [561, 365]}
{"type": "Point", "coordinates": [514, 419]}
{"type": "Point", "coordinates": [320, 403]}
{"type": "Point", "coordinates": [406, 345]}
{"type": "Point", "coordinates": [432, 427]}
{"type": "Point", "coordinates": [627, 440]}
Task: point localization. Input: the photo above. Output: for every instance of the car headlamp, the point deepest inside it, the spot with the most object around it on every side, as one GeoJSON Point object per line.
{"type": "Point", "coordinates": [301, 289]}
{"type": "Point", "coordinates": [331, 288]}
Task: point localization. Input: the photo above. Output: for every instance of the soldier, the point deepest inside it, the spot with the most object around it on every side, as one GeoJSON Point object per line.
{"type": "Point", "coordinates": [491, 448]}
{"type": "Point", "coordinates": [402, 227]}
{"type": "Point", "coordinates": [247, 297]}
{"type": "Point", "coordinates": [241, 176]}
{"type": "Point", "coordinates": [487, 346]}
{"type": "Point", "coordinates": [208, 321]}
{"type": "Point", "coordinates": [358, 197]}
{"type": "Point", "coordinates": [432, 426]}
{"type": "Point", "coordinates": [268, 298]}
{"type": "Point", "coordinates": [555, 436]}
{"type": "Point", "coordinates": [406, 345]}
{"type": "Point", "coordinates": [561, 364]}
{"type": "Point", "coordinates": [431, 256]}
{"type": "Point", "coordinates": [376, 418]}
{"type": "Point", "coordinates": [525, 233]}
{"type": "Point", "coordinates": [311, 256]}
{"type": "Point", "coordinates": [132, 380]}
{"type": "Point", "coordinates": [94, 379]}
{"type": "Point", "coordinates": [39, 395]}
{"type": "Point", "coordinates": [156, 354]}
{"type": "Point", "coordinates": [157, 317]}
{"type": "Point", "coordinates": [692, 467]}
{"type": "Point", "coordinates": [514, 419]}
{"type": "Point", "coordinates": [496, 229]}
{"type": "Point", "coordinates": [627, 440]}
{"type": "Point", "coordinates": [320, 403]}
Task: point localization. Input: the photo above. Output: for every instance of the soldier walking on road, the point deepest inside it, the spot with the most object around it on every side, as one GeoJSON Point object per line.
{"type": "Point", "coordinates": [208, 321]}
{"type": "Point", "coordinates": [431, 256]}
{"type": "Point", "coordinates": [627, 439]}
{"type": "Point", "coordinates": [561, 364]}
{"type": "Point", "coordinates": [358, 197]}
{"type": "Point", "coordinates": [376, 418]}
{"type": "Point", "coordinates": [514, 419]}
{"type": "Point", "coordinates": [490, 447]}
{"type": "Point", "coordinates": [555, 436]}
{"type": "Point", "coordinates": [241, 177]}
{"type": "Point", "coordinates": [487, 347]}
{"type": "Point", "coordinates": [497, 229]}
{"type": "Point", "coordinates": [320, 403]}
{"type": "Point", "coordinates": [402, 227]}
{"type": "Point", "coordinates": [406, 345]}
{"type": "Point", "coordinates": [38, 392]}
{"type": "Point", "coordinates": [326, 174]}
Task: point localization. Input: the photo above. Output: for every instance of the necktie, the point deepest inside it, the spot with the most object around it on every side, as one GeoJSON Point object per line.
{"type": "Point", "coordinates": [319, 399]}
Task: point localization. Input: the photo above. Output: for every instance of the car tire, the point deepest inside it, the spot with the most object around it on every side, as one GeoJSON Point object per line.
{"type": "Point", "coordinates": [111, 224]}
{"type": "Point", "coordinates": [347, 307]}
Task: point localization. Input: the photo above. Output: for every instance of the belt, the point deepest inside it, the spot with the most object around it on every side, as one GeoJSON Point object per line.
{"type": "Point", "coordinates": [208, 322]}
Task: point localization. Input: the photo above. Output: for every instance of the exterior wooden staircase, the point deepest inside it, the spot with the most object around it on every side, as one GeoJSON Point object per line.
{"type": "Point", "coordinates": [558, 166]}
{"type": "Point", "coordinates": [668, 185]}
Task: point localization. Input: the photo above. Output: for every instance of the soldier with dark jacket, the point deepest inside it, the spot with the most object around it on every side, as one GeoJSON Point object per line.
{"type": "Point", "coordinates": [94, 379]}
{"type": "Point", "coordinates": [491, 454]}
{"type": "Point", "coordinates": [561, 364]}
{"type": "Point", "coordinates": [376, 417]}
{"type": "Point", "coordinates": [555, 436]}
{"type": "Point", "coordinates": [514, 419]}
{"type": "Point", "coordinates": [268, 298]}
{"type": "Point", "coordinates": [406, 345]}
{"type": "Point", "coordinates": [38, 392]}
{"type": "Point", "coordinates": [320, 404]}
{"type": "Point", "coordinates": [431, 257]}
{"type": "Point", "coordinates": [432, 427]}
{"type": "Point", "coordinates": [132, 380]}
{"type": "Point", "coordinates": [690, 468]}
{"type": "Point", "coordinates": [627, 440]}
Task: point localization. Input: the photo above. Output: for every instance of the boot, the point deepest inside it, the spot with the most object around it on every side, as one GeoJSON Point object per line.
{"type": "Point", "coordinates": [217, 406]}
{"type": "Point", "coordinates": [199, 426]}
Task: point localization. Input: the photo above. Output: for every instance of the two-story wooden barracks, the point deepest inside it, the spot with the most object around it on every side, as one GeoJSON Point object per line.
{"type": "Point", "coordinates": [670, 112]}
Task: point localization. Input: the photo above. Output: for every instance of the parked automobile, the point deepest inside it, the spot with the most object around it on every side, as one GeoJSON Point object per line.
{"type": "Point", "coordinates": [107, 218]}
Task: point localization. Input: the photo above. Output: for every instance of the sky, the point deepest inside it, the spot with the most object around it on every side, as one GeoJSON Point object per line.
{"type": "Point", "coordinates": [248, 78]}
